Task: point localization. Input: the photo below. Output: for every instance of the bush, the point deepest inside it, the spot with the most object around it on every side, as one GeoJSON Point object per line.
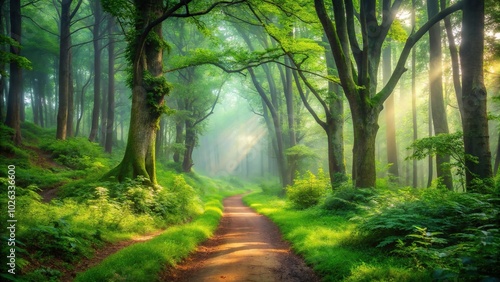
{"type": "Point", "coordinates": [76, 153]}
{"type": "Point", "coordinates": [274, 189]}
{"type": "Point", "coordinates": [175, 202]}
{"type": "Point", "coordinates": [308, 191]}
{"type": "Point", "coordinates": [347, 199]}
{"type": "Point", "coordinates": [456, 234]}
{"type": "Point", "coordinates": [58, 239]}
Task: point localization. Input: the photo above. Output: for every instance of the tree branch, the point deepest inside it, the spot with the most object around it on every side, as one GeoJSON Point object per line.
{"type": "Point", "coordinates": [400, 68]}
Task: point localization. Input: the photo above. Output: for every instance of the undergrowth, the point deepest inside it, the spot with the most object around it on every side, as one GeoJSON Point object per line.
{"type": "Point", "coordinates": [450, 235]}
{"type": "Point", "coordinates": [87, 213]}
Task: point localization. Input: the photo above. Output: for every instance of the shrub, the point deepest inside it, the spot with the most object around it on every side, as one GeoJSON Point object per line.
{"type": "Point", "coordinates": [456, 234]}
{"type": "Point", "coordinates": [58, 239]}
{"type": "Point", "coordinates": [271, 188]}
{"type": "Point", "coordinates": [175, 202]}
{"type": "Point", "coordinates": [308, 190]}
{"type": "Point", "coordinates": [76, 153]}
{"type": "Point", "coordinates": [347, 199]}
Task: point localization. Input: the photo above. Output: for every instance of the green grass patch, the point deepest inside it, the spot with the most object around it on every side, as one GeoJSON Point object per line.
{"type": "Point", "coordinates": [330, 244]}
{"type": "Point", "coordinates": [145, 261]}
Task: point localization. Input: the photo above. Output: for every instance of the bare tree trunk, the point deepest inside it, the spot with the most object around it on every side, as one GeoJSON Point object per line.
{"type": "Point", "coordinates": [414, 96]}
{"type": "Point", "coordinates": [392, 147]}
{"type": "Point", "coordinates": [96, 33]}
{"type": "Point", "coordinates": [64, 69]}
{"type": "Point", "coordinates": [292, 139]}
{"type": "Point", "coordinates": [475, 118]}
{"type": "Point", "coordinates": [436, 91]}
{"type": "Point", "coordinates": [189, 143]}
{"type": "Point", "coordinates": [108, 146]}
{"type": "Point", "coordinates": [71, 95]}
{"type": "Point", "coordinates": [280, 151]}
{"type": "Point", "coordinates": [14, 102]}
{"type": "Point", "coordinates": [3, 83]}
{"type": "Point", "coordinates": [64, 45]}
{"type": "Point", "coordinates": [455, 65]}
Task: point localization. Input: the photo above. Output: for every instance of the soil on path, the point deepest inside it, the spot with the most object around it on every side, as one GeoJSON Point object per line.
{"type": "Point", "coordinates": [246, 247]}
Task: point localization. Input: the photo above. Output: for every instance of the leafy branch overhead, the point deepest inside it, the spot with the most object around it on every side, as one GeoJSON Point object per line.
{"type": "Point", "coordinates": [8, 57]}
{"type": "Point", "coordinates": [231, 60]}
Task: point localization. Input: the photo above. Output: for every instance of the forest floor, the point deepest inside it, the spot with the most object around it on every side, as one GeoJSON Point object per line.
{"type": "Point", "coordinates": [102, 253]}
{"type": "Point", "coordinates": [246, 247]}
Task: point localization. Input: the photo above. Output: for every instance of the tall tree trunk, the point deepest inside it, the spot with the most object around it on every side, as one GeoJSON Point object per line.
{"type": "Point", "coordinates": [430, 160]}
{"type": "Point", "coordinates": [147, 98]}
{"type": "Point", "coordinates": [334, 124]}
{"type": "Point", "coordinates": [436, 91]}
{"type": "Point", "coordinates": [14, 102]}
{"type": "Point", "coordinates": [64, 75]}
{"type": "Point", "coordinates": [475, 118]}
{"type": "Point", "coordinates": [390, 120]}
{"type": "Point", "coordinates": [189, 143]}
{"type": "Point", "coordinates": [179, 132]}
{"type": "Point", "coordinates": [71, 95]}
{"type": "Point", "coordinates": [96, 33]}
{"type": "Point", "coordinates": [108, 146]}
{"type": "Point", "coordinates": [455, 65]}
{"type": "Point", "coordinates": [3, 80]}
{"type": "Point", "coordinates": [104, 116]}
{"type": "Point", "coordinates": [292, 139]}
{"type": "Point", "coordinates": [365, 132]}
{"type": "Point", "coordinates": [497, 159]}
{"type": "Point", "coordinates": [414, 95]}
{"type": "Point", "coordinates": [280, 151]}
{"type": "Point", "coordinates": [64, 69]}
{"type": "Point", "coordinates": [160, 140]}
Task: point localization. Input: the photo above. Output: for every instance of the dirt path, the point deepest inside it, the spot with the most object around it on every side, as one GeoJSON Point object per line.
{"type": "Point", "coordinates": [246, 247]}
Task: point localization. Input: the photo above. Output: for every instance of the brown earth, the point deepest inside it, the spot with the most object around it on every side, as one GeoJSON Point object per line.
{"type": "Point", "coordinates": [246, 247]}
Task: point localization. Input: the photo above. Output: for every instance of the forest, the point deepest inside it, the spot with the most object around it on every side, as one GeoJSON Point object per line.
{"type": "Point", "coordinates": [134, 132]}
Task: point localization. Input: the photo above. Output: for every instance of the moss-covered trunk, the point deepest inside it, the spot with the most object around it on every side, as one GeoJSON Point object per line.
{"type": "Point", "coordinates": [365, 125]}
{"type": "Point", "coordinates": [149, 89]}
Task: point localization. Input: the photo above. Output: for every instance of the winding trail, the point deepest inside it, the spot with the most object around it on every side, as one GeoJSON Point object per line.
{"type": "Point", "coordinates": [246, 247]}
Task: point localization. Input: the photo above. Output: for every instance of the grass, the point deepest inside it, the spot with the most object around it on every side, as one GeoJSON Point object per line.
{"type": "Point", "coordinates": [329, 244]}
{"type": "Point", "coordinates": [145, 261]}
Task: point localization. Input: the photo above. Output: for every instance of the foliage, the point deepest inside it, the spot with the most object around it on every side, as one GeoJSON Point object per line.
{"type": "Point", "coordinates": [76, 153]}
{"type": "Point", "coordinates": [271, 188]}
{"type": "Point", "coordinates": [8, 57]}
{"type": "Point", "coordinates": [174, 203]}
{"type": "Point", "coordinates": [347, 199]}
{"type": "Point", "coordinates": [329, 244]}
{"type": "Point", "coordinates": [308, 190]}
{"type": "Point", "coordinates": [443, 145]}
{"type": "Point", "coordinates": [43, 274]}
{"type": "Point", "coordinates": [452, 233]}
{"type": "Point", "coordinates": [167, 249]}
{"type": "Point", "coordinates": [58, 240]}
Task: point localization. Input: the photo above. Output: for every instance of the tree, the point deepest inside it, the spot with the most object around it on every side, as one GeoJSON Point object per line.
{"type": "Point", "coordinates": [65, 67]}
{"type": "Point", "coordinates": [108, 146]}
{"type": "Point", "coordinates": [3, 61]}
{"type": "Point", "coordinates": [439, 118]}
{"type": "Point", "coordinates": [392, 149]}
{"type": "Point", "coordinates": [359, 78]}
{"type": "Point", "coordinates": [15, 102]}
{"type": "Point", "coordinates": [149, 86]}
{"type": "Point", "coordinates": [96, 33]}
{"type": "Point", "coordinates": [474, 95]}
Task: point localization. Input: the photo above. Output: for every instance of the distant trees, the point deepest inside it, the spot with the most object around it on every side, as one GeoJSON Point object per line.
{"type": "Point", "coordinates": [338, 60]}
